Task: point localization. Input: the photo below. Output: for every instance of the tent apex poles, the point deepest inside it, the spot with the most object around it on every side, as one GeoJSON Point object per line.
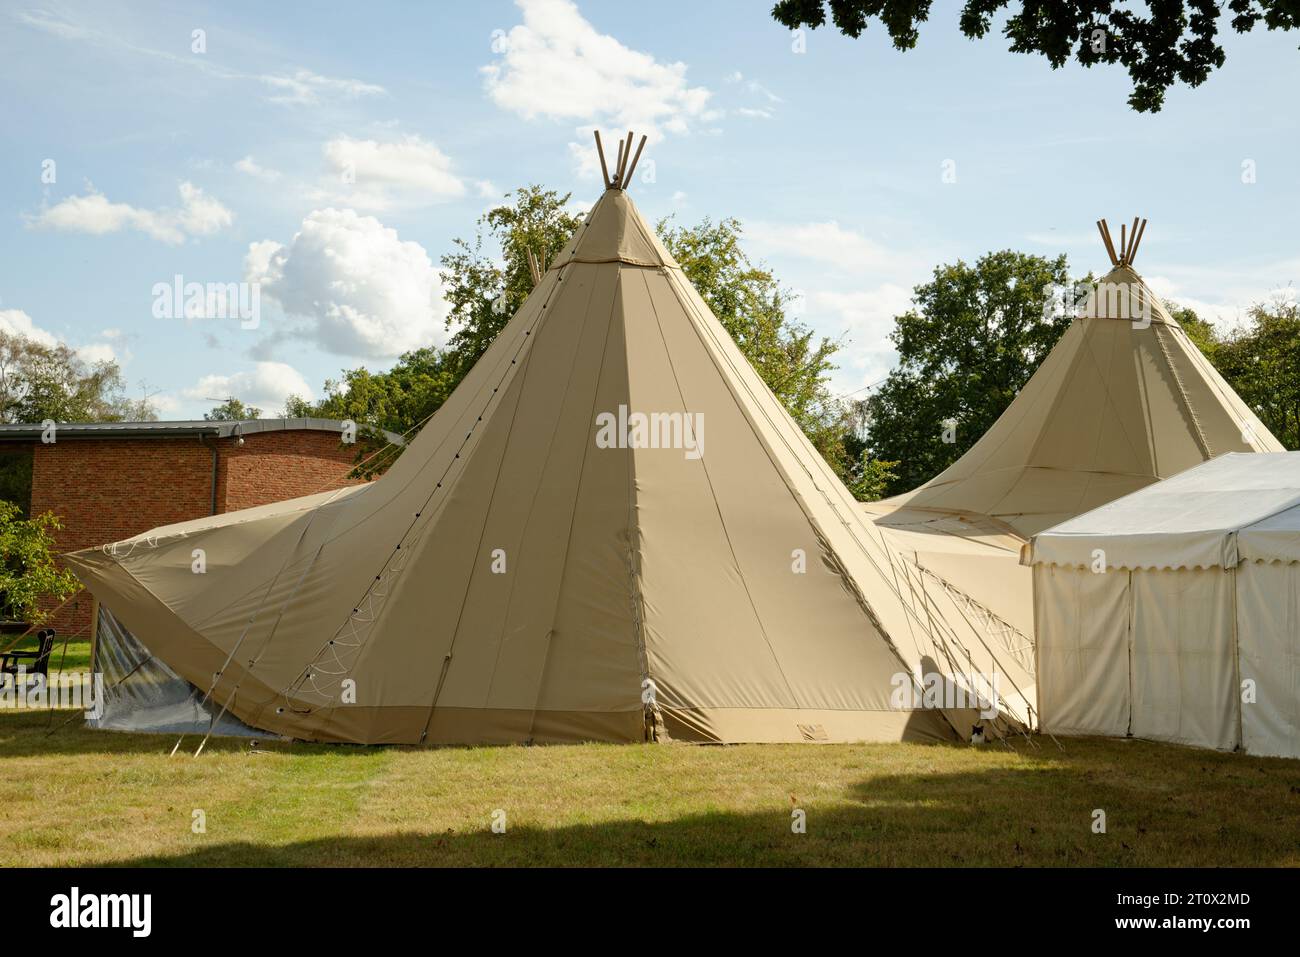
{"type": "Point", "coordinates": [1129, 238]}
{"type": "Point", "coordinates": [624, 161]}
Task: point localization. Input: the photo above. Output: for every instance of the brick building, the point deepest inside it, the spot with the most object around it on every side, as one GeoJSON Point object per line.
{"type": "Point", "coordinates": [109, 481]}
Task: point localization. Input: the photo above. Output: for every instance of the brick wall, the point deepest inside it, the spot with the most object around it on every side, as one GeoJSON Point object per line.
{"type": "Point", "coordinates": [273, 466]}
{"type": "Point", "coordinates": [104, 490]}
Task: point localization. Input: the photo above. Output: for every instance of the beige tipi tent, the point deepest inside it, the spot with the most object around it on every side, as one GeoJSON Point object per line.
{"type": "Point", "coordinates": [1123, 399]}
{"type": "Point", "coordinates": [612, 530]}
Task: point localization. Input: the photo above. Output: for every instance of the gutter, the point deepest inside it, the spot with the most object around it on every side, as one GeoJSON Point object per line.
{"type": "Point", "coordinates": [212, 505]}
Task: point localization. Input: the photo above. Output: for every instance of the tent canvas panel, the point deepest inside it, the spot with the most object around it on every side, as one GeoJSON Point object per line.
{"type": "Point", "coordinates": [1081, 621]}
{"type": "Point", "coordinates": [1184, 673]}
{"type": "Point", "coordinates": [1268, 635]}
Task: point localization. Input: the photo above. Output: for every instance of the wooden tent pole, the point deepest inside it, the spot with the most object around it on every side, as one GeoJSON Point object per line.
{"type": "Point", "coordinates": [614, 181]}
{"type": "Point", "coordinates": [627, 156]}
{"type": "Point", "coordinates": [1132, 235]}
{"type": "Point", "coordinates": [1105, 241]}
{"type": "Point", "coordinates": [1123, 244]}
{"type": "Point", "coordinates": [604, 172]}
{"type": "Point", "coordinates": [632, 168]}
{"type": "Point", "coordinates": [1138, 239]}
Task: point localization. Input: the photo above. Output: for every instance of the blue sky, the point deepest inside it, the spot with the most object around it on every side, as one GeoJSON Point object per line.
{"type": "Point", "coordinates": [331, 152]}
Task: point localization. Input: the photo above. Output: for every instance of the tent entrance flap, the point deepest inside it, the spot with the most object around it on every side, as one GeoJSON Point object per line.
{"type": "Point", "coordinates": [141, 693]}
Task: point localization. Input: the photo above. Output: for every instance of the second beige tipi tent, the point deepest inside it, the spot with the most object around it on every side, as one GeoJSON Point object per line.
{"type": "Point", "coordinates": [612, 530]}
{"type": "Point", "coordinates": [1123, 400]}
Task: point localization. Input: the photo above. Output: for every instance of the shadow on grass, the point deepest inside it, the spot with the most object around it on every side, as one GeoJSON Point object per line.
{"type": "Point", "coordinates": [1164, 806]}
{"type": "Point", "coordinates": [1035, 815]}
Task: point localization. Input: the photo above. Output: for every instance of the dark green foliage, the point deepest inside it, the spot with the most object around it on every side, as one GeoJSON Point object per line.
{"type": "Point", "coordinates": [1174, 42]}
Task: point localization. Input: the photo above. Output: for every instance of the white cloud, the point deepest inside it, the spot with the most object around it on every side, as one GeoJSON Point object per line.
{"type": "Point", "coordinates": [1226, 314]}
{"type": "Point", "coordinates": [51, 23]}
{"type": "Point", "coordinates": [97, 352]}
{"type": "Point", "coordinates": [167, 405]}
{"type": "Point", "coordinates": [300, 88]}
{"type": "Point", "coordinates": [557, 65]}
{"type": "Point", "coordinates": [406, 173]}
{"type": "Point", "coordinates": [755, 114]}
{"type": "Point", "coordinates": [15, 322]}
{"type": "Point", "coordinates": [826, 242]}
{"type": "Point", "coordinates": [305, 88]}
{"type": "Point", "coordinates": [252, 168]}
{"type": "Point", "coordinates": [364, 291]}
{"type": "Point", "coordinates": [753, 86]}
{"type": "Point", "coordinates": [266, 386]}
{"type": "Point", "coordinates": [198, 215]}
{"type": "Point", "coordinates": [867, 316]}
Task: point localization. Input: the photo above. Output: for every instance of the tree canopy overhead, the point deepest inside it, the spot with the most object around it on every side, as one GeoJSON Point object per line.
{"type": "Point", "coordinates": [1175, 42]}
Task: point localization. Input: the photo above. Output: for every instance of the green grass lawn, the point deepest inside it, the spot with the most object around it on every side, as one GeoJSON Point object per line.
{"type": "Point", "coordinates": [76, 796]}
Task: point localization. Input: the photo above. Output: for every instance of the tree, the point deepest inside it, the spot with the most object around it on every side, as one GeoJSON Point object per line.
{"type": "Point", "coordinates": [29, 575]}
{"type": "Point", "coordinates": [1175, 42]}
{"type": "Point", "coordinates": [751, 305]}
{"type": "Point", "coordinates": [973, 338]}
{"type": "Point", "coordinates": [16, 477]}
{"type": "Point", "coordinates": [484, 291]}
{"type": "Point", "coordinates": [39, 382]}
{"type": "Point", "coordinates": [399, 400]}
{"type": "Point", "coordinates": [872, 481]}
{"type": "Point", "coordinates": [1261, 361]}
{"type": "Point", "coordinates": [232, 410]}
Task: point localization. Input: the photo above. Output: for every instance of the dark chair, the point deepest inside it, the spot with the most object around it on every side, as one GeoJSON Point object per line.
{"type": "Point", "coordinates": [35, 662]}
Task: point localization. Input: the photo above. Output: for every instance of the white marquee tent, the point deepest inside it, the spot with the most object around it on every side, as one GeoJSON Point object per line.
{"type": "Point", "coordinates": [1174, 613]}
